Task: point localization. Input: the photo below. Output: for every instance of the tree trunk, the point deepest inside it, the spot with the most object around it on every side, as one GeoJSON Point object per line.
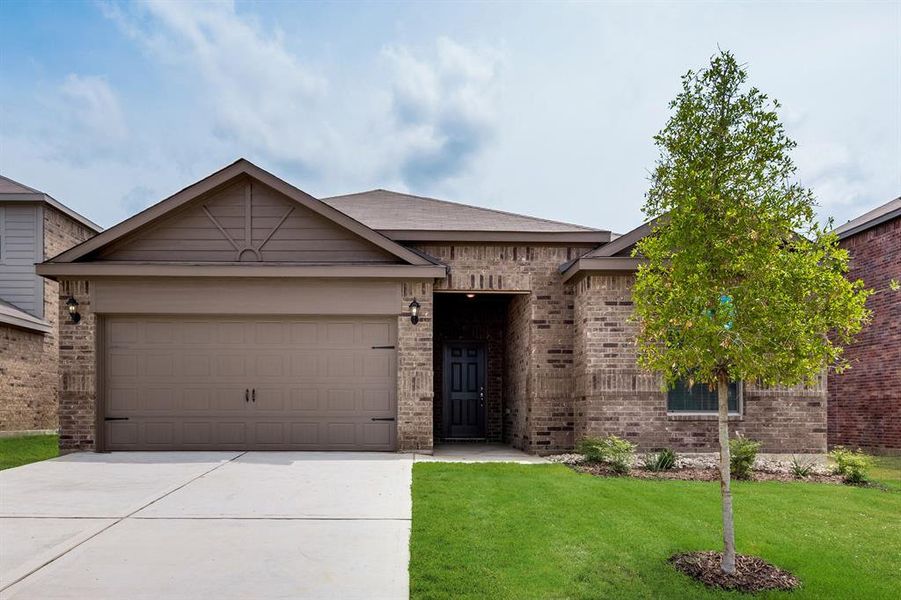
{"type": "Point", "coordinates": [722, 392]}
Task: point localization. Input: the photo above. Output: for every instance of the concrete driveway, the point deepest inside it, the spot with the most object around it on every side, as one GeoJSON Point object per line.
{"type": "Point", "coordinates": [206, 525]}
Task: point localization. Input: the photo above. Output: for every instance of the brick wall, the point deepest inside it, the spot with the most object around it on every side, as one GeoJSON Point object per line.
{"type": "Point", "coordinates": [77, 369]}
{"type": "Point", "coordinates": [538, 385]}
{"type": "Point", "coordinates": [27, 382]}
{"type": "Point", "coordinates": [29, 369]}
{"type": "Point", "coordinates": [614, 396]}
{"type": "Point", "coordinates": [865, 401]}
{"type": "Point", "coordinates": [414, 371]}
{"type": "Point", "coordinates": [516, 382]}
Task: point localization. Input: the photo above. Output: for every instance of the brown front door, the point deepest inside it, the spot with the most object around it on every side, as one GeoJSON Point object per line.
{"type": "Point", "coordinates": [464, 390]}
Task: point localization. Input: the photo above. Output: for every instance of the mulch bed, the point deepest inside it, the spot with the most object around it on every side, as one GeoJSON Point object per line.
{"type": "Point", "coordinates": [602, 470]}
{"type": "Point", "coordinates": [752, 573]}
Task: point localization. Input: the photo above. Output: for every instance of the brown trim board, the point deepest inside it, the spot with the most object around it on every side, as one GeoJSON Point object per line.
{"type": "Point", "coordinates": [608, 264]}
{"type": "Point", "coordinates": [128, 269]}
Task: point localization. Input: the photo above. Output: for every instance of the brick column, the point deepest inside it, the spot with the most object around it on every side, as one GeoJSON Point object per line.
{"type": "Point", "coordinates": [77, 369]}
{"type": "Point", "coordinates": [414, 371]}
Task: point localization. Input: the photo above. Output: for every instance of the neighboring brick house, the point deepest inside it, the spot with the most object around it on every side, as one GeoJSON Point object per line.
{"type": "Point", "coordinates": [33, 227]}
{"type": "Point", "coordinates": [243, 313]}
{"type": "Point", "coordinates": [865, 400]}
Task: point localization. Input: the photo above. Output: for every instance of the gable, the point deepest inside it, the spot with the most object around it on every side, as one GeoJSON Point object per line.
{"type": "Point", "coordinates": [97, 254]}
{"type": "Point", "coordinates": [246, 221]}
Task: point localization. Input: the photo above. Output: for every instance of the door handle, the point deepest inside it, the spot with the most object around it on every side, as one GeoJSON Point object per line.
{"type": "Point", "coordinates": [254, 395]}
{"type": "Point", "coordinates": [382, 418]}
{"type": "Point", "coordinates": [482, 397]}
{"type": "Point", "coordinates": [246, 395]}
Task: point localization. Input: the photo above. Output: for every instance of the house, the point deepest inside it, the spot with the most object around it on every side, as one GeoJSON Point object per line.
{"type": "Point", "coordinates": [243, 313]}
{"type": "Point", "coordinates": [865, 400]}
{"type": "Point", "coordinates": [33, 228]}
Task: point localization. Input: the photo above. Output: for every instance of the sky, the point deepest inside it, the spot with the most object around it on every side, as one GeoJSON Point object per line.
{"type": "Point", "coordinates": [547, 109]}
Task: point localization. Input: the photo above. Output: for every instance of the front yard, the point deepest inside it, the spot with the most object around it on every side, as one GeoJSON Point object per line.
{"type": "Point", "coordinates": [18, 451]}
{"type": "Point", "coordinates": [544, 531]}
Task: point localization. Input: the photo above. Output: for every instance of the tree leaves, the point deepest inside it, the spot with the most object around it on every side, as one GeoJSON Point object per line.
{"type": "Point", "coordinates": [733, 223]}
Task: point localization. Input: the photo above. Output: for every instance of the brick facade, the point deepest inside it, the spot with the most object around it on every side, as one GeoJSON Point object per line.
{"type": "Point", "coordinates": [415, 389]}
{"type": "Point", "coordinates": [614, 396]}
{"type": "Point", "coordinates": [539, 379]}
{"type": "Point", "coordinates": [78, 369]}
{"type": "Point", "coordinates": [29, 369]}
{"type": "Point", "coordinates": [865, 401]}
{"type": "Point", "coordinates": [567, 363]}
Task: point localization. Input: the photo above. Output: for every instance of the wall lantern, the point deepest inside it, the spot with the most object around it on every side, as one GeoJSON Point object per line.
{"type": "Point", "coordinates": [72, 305]}
{"type": "Point", "coordinates": [414, 312]}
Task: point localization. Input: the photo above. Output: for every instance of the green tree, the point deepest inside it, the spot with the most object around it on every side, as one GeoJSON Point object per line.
{"type": "Point", "coordinates": [740, 282]}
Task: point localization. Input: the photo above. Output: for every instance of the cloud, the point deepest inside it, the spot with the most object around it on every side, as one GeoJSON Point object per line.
{"type": "Point", "coordinates": [444, 110]}
{"type": "Point", "coordinates": [83, 120]}
{"type": "Point", "coordinates": [417, 126]}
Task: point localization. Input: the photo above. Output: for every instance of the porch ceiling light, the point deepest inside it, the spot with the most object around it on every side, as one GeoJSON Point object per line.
{"type": "Point", "coordinates": [470, 295]}
{"type": "Point", "coordinates": [414, 312]}
{"type": "Point", "coordinates": [72, 305]}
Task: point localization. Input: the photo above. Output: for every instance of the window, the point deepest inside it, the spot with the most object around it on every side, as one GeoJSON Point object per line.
{"type": "Point", "coordinates": [700, 399]}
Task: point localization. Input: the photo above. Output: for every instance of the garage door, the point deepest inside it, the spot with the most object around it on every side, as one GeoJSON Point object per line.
{"type": "Point", "coordinates": [249, 383]}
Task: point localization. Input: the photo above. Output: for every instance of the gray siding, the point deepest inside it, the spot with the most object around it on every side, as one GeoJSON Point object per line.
{"type": "Point", "coordinates": [247, 222]}
{"type": "Point", "coordinates": [21, 246]}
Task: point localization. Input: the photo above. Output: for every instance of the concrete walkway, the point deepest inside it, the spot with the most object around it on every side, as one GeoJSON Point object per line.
{"type": "Point", "coordinates": [206, 525]}
{"type": "Point", "coordinates": [479, 453]}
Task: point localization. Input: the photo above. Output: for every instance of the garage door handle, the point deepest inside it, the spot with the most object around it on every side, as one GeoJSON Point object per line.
{"type": "Point", "coordinates": [253, 395]}
{"type": "Point", "coordinates": [115, 418]}
{"type": "Point", "coordinates": [382, 418]}
{"type": "Point", "coordinates": [246, 395]}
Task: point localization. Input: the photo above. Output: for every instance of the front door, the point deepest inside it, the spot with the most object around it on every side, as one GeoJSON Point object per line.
{"type": "Point", "coordinates": [464, 390]}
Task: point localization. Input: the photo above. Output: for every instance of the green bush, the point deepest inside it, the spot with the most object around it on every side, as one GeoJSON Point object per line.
{"type": "Point", "coordinates": [615, 452]}
{"type": "Point", "coordinates": [742, 453]}
{"type": "Point", "coordinates": [660, 461]}
{"type": "Point", "coordinates": [853, 466]}
{"type": "Point", "coordinates": [801, 470]}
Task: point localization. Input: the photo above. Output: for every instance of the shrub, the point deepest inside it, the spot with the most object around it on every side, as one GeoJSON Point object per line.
{"type": "Point", "coordinates": [742, 454]}
{"type": "Point", "coordinates": [801, 470]}
{"type": "Point", "coordinates": [660, 461]}
{"type": "Point", "coordinates": [852, 466]}
{"type": "Point", "coordinates": [616, 452]}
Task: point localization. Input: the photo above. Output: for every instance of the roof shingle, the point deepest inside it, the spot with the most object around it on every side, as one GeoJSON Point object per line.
{"type": "Point", "coordinates": [385, 210]}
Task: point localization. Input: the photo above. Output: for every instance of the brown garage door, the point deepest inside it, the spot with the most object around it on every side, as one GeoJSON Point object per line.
{"type": "Point", "coordinates": [249, 383]}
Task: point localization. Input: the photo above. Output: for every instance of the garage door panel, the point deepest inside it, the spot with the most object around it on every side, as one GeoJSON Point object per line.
{"type": "Point", "coordinates": [180, 383]}
{"type": "Point", "coordinates": [122, 365]}
{"type": "Point", "coordinates": [270, 399]}
{"type": "Point", "coordinates": [231, 333]}
{"type": "Point", "coordinates": [121, 399]}
{"type": "Point", "coordinates": [305, 364]}
{"type": "Point", "coordinates": [234, 365]}
{"type": "Point", "coordinates": [303, 399]}
{"type": "Point", "coordinates": [197, 433]}
{"type": "Point", "coordinates": [271, 365]}
{"type": "Point", "coordinates": [228, 400]}
{"type": "Point", "coordinates": [122, 434]}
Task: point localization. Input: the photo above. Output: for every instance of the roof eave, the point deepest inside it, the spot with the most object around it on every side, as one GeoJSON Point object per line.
{"type": "Point", "coordinates": [57, 271]}
{"type": "Point", "coordinates": [47, 199]}
{"type": "Point", "coordinates": [600, 265]}
{"type": "Point", "coordinates": [18, 318]}
{"type": "Point", "coordinates": [869, 224]}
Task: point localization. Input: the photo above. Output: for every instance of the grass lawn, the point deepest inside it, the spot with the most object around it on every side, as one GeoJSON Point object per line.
{"type": "Point", "coordinates": [18, 451]}
{"type": "Point", "coordinates": [544, 531]}
{"type": "Point", "coordinates": [887, 471]}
